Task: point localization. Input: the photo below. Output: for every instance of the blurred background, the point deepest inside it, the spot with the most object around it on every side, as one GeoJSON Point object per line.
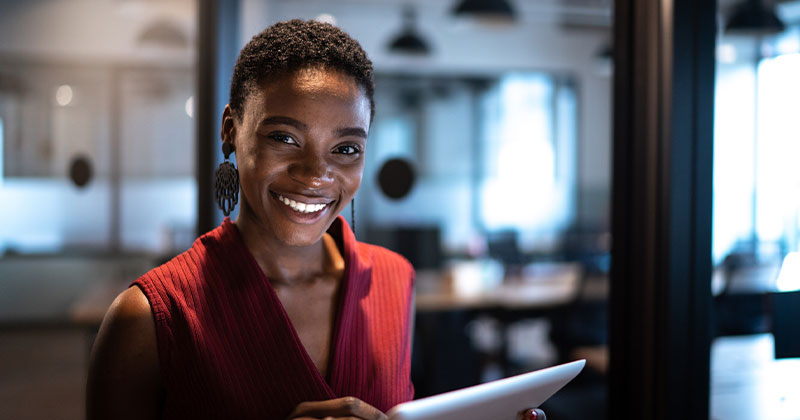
{"type": "Point", "coordinates": [488, 166]}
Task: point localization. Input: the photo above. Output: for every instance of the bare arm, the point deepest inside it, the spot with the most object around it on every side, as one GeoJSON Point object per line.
{"type": "Point", "coordinates": [124, 380]}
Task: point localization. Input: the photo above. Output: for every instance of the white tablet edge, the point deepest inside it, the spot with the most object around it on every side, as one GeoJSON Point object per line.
{"type": "Point", "coordinates": [554, 378]}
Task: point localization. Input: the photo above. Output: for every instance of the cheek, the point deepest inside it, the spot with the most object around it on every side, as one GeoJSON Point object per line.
{"type": "Point", "coordinates": [249, 172]}
{"type": "Point", "coordinates": [349, 180]}
{"type": "Point", "coordinates": [245, 156]}
{"type": "Point", "coordinates": [354, 178]}
{"type": "Point", "coordinates": [259, 163]}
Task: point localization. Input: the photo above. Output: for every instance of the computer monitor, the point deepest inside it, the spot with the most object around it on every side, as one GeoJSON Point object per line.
{"type": "Point", "coordinates": [785, 313]}
{"type": "Point", "coordinates": [421, 245]}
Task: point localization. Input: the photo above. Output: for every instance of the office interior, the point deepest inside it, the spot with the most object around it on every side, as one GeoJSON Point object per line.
{"type": "Point", "coordinates": [490, 166]}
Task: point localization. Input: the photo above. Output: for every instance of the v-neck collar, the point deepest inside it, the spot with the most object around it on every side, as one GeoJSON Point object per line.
{"type": "Point", "coordinates": [356, 278]}
{"type": "Point", "coordinates": [356, 274]}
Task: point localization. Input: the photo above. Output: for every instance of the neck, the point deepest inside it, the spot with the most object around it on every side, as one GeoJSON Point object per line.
{"type": "Point", "coordinates": [287, 265]}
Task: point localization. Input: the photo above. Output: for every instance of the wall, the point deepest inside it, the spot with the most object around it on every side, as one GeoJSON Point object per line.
{"type": "Point", "coordinates": [92, 30]}
{"type": "Point", "coordinates": [129, 95]}
{"type": "Point", "coordinates": [71, 31]}
{"type": "Point", "coordinates": [536, 42]}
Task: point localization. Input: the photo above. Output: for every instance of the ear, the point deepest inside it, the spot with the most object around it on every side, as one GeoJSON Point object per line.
{"type": "Point", "coordinates": [228, 132]}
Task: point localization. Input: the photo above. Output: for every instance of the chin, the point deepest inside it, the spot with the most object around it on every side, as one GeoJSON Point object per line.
{"type": "Point", "coordinates": [301, 239]}
{"type": "Point", "coordinates": [299, 234]}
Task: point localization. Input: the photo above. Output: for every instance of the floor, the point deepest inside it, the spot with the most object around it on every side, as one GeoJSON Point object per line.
{"type": "Point", "coordinates": [42, 374]}
{"type": "Point", "coordinates": [43, 368]}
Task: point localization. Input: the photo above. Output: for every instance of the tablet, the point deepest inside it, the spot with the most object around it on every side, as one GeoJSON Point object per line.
{"type": "Point", "coordinates": [497, 400]}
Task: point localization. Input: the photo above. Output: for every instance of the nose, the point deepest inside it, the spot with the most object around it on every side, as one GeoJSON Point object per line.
{"type": "Point", "coordinates": [311, 170]}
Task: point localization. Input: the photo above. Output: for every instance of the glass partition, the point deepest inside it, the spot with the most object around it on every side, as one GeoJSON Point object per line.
{"type": "Point", "coordinates": [97, 180]}
{"type": "Point", "coordinates": [756, 216]}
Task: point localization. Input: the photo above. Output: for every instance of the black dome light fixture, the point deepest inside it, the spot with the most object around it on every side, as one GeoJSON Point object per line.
{"type": "Point", "coordinates": [80, 171]}
{"type": "Point", "coordinates": [396, 178]}
{"type": "Point", "coordinates": [409, 41]}
{"type": "Point", "coordinates": [754, 17]}
{"type": "Point", "coordinates": [490, 11]}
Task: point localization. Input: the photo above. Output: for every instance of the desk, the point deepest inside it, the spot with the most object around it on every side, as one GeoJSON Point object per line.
{"type": "Point", "coordinates": [445, 349]}
{"type": "Point", "coordinates": [748, 383]}
{"type": "Point", "coordinates": [552, 289]}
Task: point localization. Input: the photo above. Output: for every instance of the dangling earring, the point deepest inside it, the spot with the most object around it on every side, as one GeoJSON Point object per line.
{"type": "Point", "coordinates": [353, 214]}
{"type": "Point", "coordinates": [226, 182]}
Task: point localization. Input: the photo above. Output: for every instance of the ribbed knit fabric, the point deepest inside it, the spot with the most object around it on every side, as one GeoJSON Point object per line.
{"type": "Point", "coordinates": [228, 350]}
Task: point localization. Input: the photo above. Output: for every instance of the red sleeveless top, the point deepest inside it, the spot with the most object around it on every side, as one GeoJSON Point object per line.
{"type": "Point", "coordinates": [227, 348]}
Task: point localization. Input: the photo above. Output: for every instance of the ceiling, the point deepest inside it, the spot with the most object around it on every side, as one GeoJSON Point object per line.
{"type": "Point", "coordinates": [565, 12]}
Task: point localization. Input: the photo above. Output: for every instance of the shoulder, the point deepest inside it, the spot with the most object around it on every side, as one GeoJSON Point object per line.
{"type": "Point", "coordinates": [130, 304]}
{"type": "Point", "coordinates": [386, 261]}
{"type": "Point", "coordinates": [124, 361]}
{"type": "Point", "coordinates": [128, 325]}
{"type": "Point", "coordinates": [380, 255]}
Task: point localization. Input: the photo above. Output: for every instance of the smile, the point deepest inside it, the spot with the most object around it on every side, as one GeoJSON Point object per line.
{"type": "Point", "coordinates": [300, 206]}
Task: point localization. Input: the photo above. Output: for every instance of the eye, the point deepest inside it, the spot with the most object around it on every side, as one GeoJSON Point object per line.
{"type": "Point", "coordinates": [282, 138]}
{"type": "Point", "coordinates": [348, 149]}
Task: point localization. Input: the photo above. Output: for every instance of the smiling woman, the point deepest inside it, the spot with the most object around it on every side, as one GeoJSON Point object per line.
{"type": "Point", "coordinates": [282, 313]}
{"type": "Point", "coordinates": [301, 140]}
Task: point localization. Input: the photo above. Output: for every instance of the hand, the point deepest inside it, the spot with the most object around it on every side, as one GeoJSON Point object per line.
{"type": "Point", "coordinates": [531, 414]}
{"type": "Point", "coordinates": [340, 408]}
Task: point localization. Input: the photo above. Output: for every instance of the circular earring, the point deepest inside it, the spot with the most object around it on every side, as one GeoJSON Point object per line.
{"type": "Point", "coordinates": [226, 182]}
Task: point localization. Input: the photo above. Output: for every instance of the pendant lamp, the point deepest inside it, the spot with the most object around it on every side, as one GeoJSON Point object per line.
{"type": "Point", "coordinates": [409, 41]}
{"type": "Point", "coordinates": [488, 10]}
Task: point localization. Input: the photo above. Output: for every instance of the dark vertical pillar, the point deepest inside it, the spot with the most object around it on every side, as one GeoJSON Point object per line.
{"type": "Point", "coordinates": [661, 222]}
{"type": "Point", "coordinates": [217, 49]}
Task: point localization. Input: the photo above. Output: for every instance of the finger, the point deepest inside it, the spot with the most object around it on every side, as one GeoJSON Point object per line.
{"type": "Point", "coordinates": [361, 410]}
{"type": "Point", "coordinates": [352, 406]}
{"type": "Point", "coordinates": [338, 408]}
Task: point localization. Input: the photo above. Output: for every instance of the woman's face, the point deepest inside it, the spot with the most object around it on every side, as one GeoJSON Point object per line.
{"type": "Point", "coordinates": [300, 148]}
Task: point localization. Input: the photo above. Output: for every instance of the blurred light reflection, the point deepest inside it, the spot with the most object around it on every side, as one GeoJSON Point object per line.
{"type": "Point", "coordinates": [189, 107]}
{"type": "Point", "coordinates": [789, 277]}
{"type": "Point", "coordinates": [64, 95]}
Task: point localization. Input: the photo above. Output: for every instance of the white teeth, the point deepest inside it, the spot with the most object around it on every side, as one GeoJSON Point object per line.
{"type": "Point", "coordinates": [301, 207]}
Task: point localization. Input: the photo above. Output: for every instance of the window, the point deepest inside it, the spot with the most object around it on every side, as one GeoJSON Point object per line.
{"type": "Point", "coordinates": [494, 154]}
{"type": "Point", "coordinates": [757, 141]}
{"type": "Point", "coordinates": [529, 159]}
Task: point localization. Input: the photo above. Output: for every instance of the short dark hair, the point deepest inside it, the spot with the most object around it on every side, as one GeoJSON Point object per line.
{"type": "Point", "coordinates": [297, 44]}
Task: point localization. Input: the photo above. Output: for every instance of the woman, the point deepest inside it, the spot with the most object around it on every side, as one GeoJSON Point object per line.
{"type": "Point", "coordinates": [283, 306]}
{"type": "Point", "coordinates": [282, 313]}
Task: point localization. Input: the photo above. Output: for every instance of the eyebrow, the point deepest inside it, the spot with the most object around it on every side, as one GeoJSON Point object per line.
{"type": "Point", "coordinates": [340, 132]}
{"type": "Point", "coordinates": [276, 120]}
{"type": "Point", "coordinates": [352, 131]}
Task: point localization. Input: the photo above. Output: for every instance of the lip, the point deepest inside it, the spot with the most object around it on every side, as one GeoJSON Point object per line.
{"type": "Point", "coordinates": [298, 217]}
{"type": "Point", "coordinates": [308, 199]}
